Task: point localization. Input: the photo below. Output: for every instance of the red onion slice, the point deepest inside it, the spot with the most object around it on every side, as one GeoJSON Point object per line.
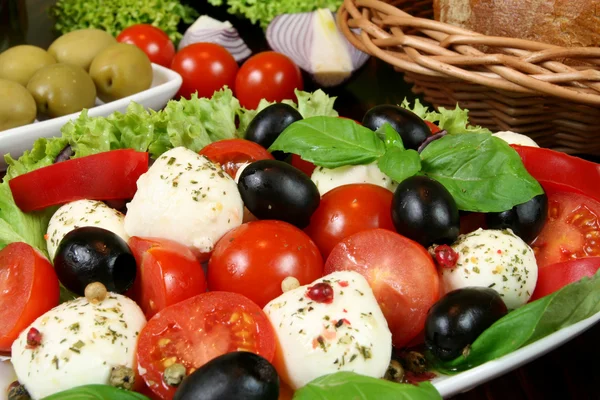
{"type": "Point", "coordinates": [226, 36]}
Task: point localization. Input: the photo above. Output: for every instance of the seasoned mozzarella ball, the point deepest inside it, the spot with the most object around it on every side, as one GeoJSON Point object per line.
{"type": "Point", "coordinates": [333, 324]}
{"type": "Point", "coordinates": [497, 259]}
{"type": "Point", "coordinates": [186, 198]}
{"type": "Point", "coordinates": [82, 213]}
{"type": "Point", "coordinates": [515, 138]}
{"type": "Point", "coordinates": [79, 344]}
{"type": "Point", "coordinates": [327, 179]}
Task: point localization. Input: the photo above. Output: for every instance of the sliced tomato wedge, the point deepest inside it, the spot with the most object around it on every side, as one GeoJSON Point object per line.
{"type": "Point", "coordinates": [305, 166]}
{"type": "Point", "coordinates": [111, 175]}
{"type": "Point", "coordinates": [199, 329]}
{"type": "Point", "coordinates": [168, 272]}
{"type": "Point", "coordinates": [28, 288]}
{"type": "Point", "coordinates": [554, 277]}
{"type": "Point", "coordinates": [432, 127]}
{"type": "Point", "coordinates": [572, 229]}
{"type": "Point", "coordinates": [232, 153]}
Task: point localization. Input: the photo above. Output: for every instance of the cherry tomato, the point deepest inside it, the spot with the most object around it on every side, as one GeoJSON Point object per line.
{"type": "Point", "coordinates": [168, 272]}
{"type": "Point", "coordinates": [105, 176]}
{"type": "Point", "coordinates": [304, 166]}
{"type": "Point", "coordinates": [256, 257]}
{"type": "Point", "coordinates": [267, 75]}
{"type": "Point", "coordinates": [196, 330]}
{"type": "Point", "coordinates": [558, 171]}
{"type": "Point", "coordinates": [152, 40]}
{"type": "Point", "coordinates": [28, 288]}
{"type": "Point", "coordinates": [347, 210]}
{"type": "Point", "coordinates": [400, 272]}
{"type": "Point", "coordinates": [572, 229]}
{"type": "Point", "coordinates": [433, 127]}
{"type": "Point", "coordinates": [205, 68]}
{"type": "Point", "coordinates": [554, 277]}
{"type": "Point", "coordinates": [232, 153]}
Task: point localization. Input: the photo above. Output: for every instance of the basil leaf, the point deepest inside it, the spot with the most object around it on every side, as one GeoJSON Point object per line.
{"type": "Point", "coordinates": [390, 137]}
{"type": "Point", "coordinates": [330, 142]}
{"type": "Point", "coordinates": [349, 385]}
{"type": "Point", "coordinates": [483, 173]}
{"type": "Point", "coordinates": [400, 164]}
{"type": "Point", "coordinates": [533, 321]}
{"type": "Point", "coordinates": [96, 392]}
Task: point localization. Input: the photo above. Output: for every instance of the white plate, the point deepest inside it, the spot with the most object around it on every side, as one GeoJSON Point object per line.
{"type": "Point", "coordinates": [165, 84]}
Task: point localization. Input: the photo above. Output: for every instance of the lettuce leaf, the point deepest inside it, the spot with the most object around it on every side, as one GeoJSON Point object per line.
{"type": "Point", "coordinates": [453, 121]}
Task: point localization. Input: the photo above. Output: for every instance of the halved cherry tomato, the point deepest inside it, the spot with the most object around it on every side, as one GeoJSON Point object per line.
{"type": "Point", "coordinates": [433, 127]}
{"type": "Point", "coordinates": [400, 272]}
{"type": "Point", "coordinates": [554, 277]}
{"type": "Point", "coordinates": [111, 175]}
{"type": "Point", "coordinates": [572, 229]}
{"type": "Point", "coordinates": [347, 210]}
{"type": "Point", "coordinates": [151, 40]}
{"type": "Point", "coordinates": [168, 272]}
{"type": "Point", "coordinates": [28, 288]}
{"type": "Point", "coordinates": [304, 166]}
{"type": "Point", "coordinates": [558, 171]}
{"type": "Point", "coordinates": [232, 153]}
{"type": "Point", "coordinates": [196, 330]}
{"type": "Point", "coordinates": [254, 258]}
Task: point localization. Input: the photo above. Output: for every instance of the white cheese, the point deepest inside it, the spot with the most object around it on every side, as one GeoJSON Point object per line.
{"type": "Point", "coordinates": [328, 179]}
{"type": "Point", "coordinates": [80, 343]}
{"type": "Point", "coordinates": [7, 376]}
{"type": "Point", "coordinates": [515, 138]}
{"type": "Point", "coordinates": [498, 259]}
{"type": "Point", "coordinates": [82, 213]}
{"type": "Point", "coordinates": [186, 198]}
{"type": "Point", "coordinates": [316, 339]}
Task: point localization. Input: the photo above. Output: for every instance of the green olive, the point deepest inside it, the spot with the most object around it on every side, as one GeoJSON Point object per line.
{"type": "Point", "coordinates": [81, 46]}
{"type": "Point", "coordinates": [121, 70]}
{"type": "Point", "coordinates": [19, 63]}
{"type": "Point", "coordinates": [62, 89]}
{"type": "Point", "coordinates": [17, 106]}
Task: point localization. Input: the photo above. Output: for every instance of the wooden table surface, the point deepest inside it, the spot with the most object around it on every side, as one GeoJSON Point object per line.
{"type": "Point", "coordinates": [569, 372]}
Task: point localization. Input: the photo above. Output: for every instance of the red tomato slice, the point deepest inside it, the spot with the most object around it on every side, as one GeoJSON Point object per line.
{"type": "Point", "coordinates": [400, 272]}
{"type": "Point", "coordinates": [304, 166]}
{"type": "Point", "coordinates": [554, 277]}
{"type": "Point", "coordinates": [347, 210]}
{"type": "Point", "coordinates": [111, 175]}
{"type": "Point", "coordinates": [572, 229]}
{"type": "Point", "coordinates": [558, 171]}
{"type": "Point", "coordinates": [168, 272]}
{"type": "Point", "coordinates": [232, 153]}
{"type": "Point", "coordinates": [28, 288]}
{"type": "Point", "coordinates": [261, 254]}
{"type": "Point", "coordinates": [432, 127]}
{"type": "Point", "coordinates": [199, 329]}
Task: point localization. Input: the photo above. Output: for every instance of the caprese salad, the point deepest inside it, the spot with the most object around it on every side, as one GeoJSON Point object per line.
{"type": "Point", "coordinates": [294, 253]}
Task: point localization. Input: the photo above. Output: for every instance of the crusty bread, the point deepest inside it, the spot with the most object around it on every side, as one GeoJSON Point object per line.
{"type": "Point", "coordinates": [566, 23]}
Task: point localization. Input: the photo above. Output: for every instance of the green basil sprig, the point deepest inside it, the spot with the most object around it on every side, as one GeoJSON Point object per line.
{"type": "Point", "coordinates": [483, 173]}
{"type": "Point", "coordinates": [533, 321]}
{"type": "Point", "coordinates": [96, 392]}
{"type": "Point", "coordinates": [349, 385]}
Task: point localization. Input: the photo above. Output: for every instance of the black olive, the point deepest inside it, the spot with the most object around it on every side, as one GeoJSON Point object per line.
{"type": "Point", "coordinates": [92, 254]}
{"type": "Point", "coordinates": [423, 210]}
{"type": "Point", "coordinates": [458, 318]}
{"type": "Point", "coordinates": [238, 375]}
{"type": "Point", "coordinates": [412, 129]}
{"type": "Point", "coordinates": [525, 220]}
{"type": "Point", "coordinates": [272, 189]}
{"type": "Point", "coordinates": [268, 124]}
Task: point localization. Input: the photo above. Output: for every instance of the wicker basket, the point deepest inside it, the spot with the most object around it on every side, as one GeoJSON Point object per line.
{"type": "Point", "coordinates": [550, 93]}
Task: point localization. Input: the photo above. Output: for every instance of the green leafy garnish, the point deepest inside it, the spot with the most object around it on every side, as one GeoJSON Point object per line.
{"type": "Point", "coordinates": [452, 121]}
{"type": "Point", "coordinates": [263, 11]}
{"type": "Point", "coordinates": [350, 385]}
{"type": "Point", "coordinates": [536, 320]}
{"type": "Point", "coordinates": [96, 392]}
{"type": "Point", "coordinates": [115, 15]}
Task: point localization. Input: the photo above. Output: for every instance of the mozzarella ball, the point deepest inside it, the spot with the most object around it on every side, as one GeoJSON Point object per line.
{"type": "Point", "coordinates": [186, 198]}
{"type": "Point", "coordinates": [497, 259]}
{"type": "Point", "coordinates": [515, 138]}
{"type": "Point", "coordinates": [328, 179]}
{"type": "Point", "coordinates": [80, 344]}
{"type": "Point", "coordinates": [82, 213]}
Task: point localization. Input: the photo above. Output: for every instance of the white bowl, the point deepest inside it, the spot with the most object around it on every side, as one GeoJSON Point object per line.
{"type": "Point", "coordinates": [165, 84]}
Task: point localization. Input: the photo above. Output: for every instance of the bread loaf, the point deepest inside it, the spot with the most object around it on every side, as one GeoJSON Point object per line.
{"type": "Point", "coordinates": [566, 23]}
